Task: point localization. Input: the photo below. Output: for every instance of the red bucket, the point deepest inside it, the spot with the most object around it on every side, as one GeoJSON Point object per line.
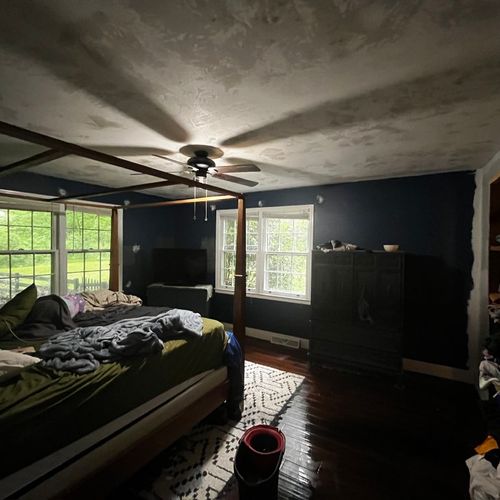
{"type": "Point", "coordinates": [258, 460]}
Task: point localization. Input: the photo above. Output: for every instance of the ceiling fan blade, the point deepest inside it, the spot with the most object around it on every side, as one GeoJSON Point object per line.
{"type": "Point", "coordinates": [237, 180]}
{"type": "Point", "coordinates": [184, 164]}
{"type": "Point", "coordinates": [249, 167]}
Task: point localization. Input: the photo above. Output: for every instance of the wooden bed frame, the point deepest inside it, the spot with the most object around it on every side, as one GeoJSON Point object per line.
{"type": "Point", "coordinates": [77, 477]}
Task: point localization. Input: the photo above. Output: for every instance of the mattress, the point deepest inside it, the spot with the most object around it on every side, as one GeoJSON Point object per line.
{"type": "Point", "coordinates": [44, 410]}
{"type": "Point", "coordinates": [95, 448]}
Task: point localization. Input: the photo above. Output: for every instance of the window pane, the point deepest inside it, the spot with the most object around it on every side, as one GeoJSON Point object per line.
{"type": "Point", "coordinates": [299, 264]}
{"type": "Point", "coordinates": [228, 269]}
{"type": "Point", "coordinates": [90, 239]}
{"type": "Point", "coordinates": [75, 282]}
{"type": "Point", "coordinates": [4, 266]}
{"type": "Point", "coordinates": [286, 242]}
{"type": "Point", "coordinates": [75, 263]}
{"type": "Point", "coordinates": [43, 284]}
{"type": "Point", "coordinates": [3, 238]}
{"type": "Point", "coordinates": [90, 221]}
{"type": "Point", "coordinates": [105, 260]}
{"type": "Point", "coordinates": [105, 278]}
{"type": "Point", "coordinates": [74, 239]}
{"type": "Point", "coordinates": [286, 225]}
{"type": "Point", "coordinates": [229, 234]}
{"type": "Point", "coordinates": [105, 222]}
{"type": "Point", "coordinates": [42, 238]}
{"type": "Point", "coordinates": [42, 219]}
{"type": "Point", "coordinates": [273, 242]}
{"type": "Point", "coordinates": [22, 265]}
{"type": "Point", "coordinates": [252, 242]}
{"type": "Point", "coordinates": [285, 263]}
{"type": "Point", "coordinates": [3, 217]}
{"type": "Point", "coordinates": [92, 281]}
{"type": "Point", "coordinates": [272, 281]}
{"type": "Point", "coordinates": [69, 238]}
{"type": "Point", "coordinates": [251, 271]}
{"type": "Point", "coordinates": [299, 284]}
{"type": "Point", "coordinates": [105, 239]}
{"type": "Point", "coordinates": [300, 242]}
{"type": "Point", "coordinates": [301, 225]}
{"type": "Point", "coordinates": [19, 217]}
{"type": "Point", "coordinates": [92, 262]}
{"type": "Point", "coordinates": [273, 225]}
{"type": "Point", "coordinates": [228, 278]}
{"type": "Point", "coordinates": [4, 290]}
{"type": "Point", "coordinates": [272, 262]}
{"type": "Point", "coordinates": [43, 264]}
{"type": "Point", "coordinates": [20, 238]}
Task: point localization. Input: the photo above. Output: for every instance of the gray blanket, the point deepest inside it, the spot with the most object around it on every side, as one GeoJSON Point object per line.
{"type": "Point", "coordinates": [82, 350]}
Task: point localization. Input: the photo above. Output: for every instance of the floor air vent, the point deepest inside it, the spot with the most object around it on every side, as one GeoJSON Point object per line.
{"type": "Point", "coordinates": [293, 343]}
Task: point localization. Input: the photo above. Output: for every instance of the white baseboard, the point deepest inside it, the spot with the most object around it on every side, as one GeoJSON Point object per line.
{"type": "Point", "coordinates": [410, 365]}
{"type": "Point", "coordinates": [272, 337]}
{"type": "Point", "coordinates": [448, 372]}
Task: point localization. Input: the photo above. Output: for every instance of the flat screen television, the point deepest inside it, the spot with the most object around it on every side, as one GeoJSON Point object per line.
{"type": "Point", "coordinates": [180, 266]}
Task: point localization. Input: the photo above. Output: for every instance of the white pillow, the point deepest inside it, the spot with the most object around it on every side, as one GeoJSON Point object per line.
{"type": "Point", "coordinates": [11, 363]}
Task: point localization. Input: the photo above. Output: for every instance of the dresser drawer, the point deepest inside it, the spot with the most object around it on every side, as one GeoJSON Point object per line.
{"type": "Point", "coordinates": [350, 335]}
{"type": "Point", "coordinates": [355, 357]}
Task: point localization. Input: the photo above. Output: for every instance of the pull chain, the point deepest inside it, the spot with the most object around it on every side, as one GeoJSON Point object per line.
{"type": "Point", "coordinates": [206, 205]}
{"type": "Point", "coordinates": [194, 204]}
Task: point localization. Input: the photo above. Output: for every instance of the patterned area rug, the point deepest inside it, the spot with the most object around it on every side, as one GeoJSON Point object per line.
{"type": "Point", "coordinates": [200, 465]}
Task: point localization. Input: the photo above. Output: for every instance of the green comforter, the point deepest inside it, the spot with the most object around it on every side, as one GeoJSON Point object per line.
{"type": "Point", "coordinates": [43, 409]}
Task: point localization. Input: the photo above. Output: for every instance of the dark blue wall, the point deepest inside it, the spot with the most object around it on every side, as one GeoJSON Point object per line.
{"type": "Point", "coordinates": [143, 228]}
{"type": "Point", "coordinates": [430, 217]}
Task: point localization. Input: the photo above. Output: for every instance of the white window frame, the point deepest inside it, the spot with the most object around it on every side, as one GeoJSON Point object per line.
{"type": "Point", "coordinates": [260, 292]}
{"type": "Point", "coordinates": [58, 210]}
{"type": "Point", "coordinates": [88, 210]}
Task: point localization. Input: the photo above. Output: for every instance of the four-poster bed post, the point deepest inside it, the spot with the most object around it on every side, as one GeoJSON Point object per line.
{"type": "Point", "coordinates": [240, 275]}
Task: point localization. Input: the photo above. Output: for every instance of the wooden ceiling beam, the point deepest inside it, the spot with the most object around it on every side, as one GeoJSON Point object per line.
{"type": "Point", "coordinates": [32, 197]}
{"type": "Point", "coordinates": [179, 202]}
{"type": "Point", "coordinates": [32, 161]}
{"type": "Point", "coordinates": [136, 187]}
{"type": "Point", "coordinates": [73, 149]}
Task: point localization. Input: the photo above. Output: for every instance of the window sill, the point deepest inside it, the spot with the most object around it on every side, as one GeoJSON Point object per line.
{"type": "Point", "coordinates": [268, 296]}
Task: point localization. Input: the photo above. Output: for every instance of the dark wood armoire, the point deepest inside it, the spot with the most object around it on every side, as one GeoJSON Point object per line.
{"type": "Point", "coordinates": [357, 301]}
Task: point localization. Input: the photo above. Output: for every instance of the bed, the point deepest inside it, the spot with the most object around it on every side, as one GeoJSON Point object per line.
{"type": "Point", "coordinates": [78, 435]}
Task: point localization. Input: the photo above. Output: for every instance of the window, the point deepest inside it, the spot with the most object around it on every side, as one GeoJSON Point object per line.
{"type": "Point", "coordinates": [58, 251]}
{"type": "Point", "coordinates": [279, 241]}
{"type": "Point", "coordinates": [88, 245]}
{"type": "Point", "coordinates": [26, 254]}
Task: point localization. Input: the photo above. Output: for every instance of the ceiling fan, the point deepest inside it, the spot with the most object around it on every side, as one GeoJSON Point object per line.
{"type": "Point", "coordinates": [201, 164]}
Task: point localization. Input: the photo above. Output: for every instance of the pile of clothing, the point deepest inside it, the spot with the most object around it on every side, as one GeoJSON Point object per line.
{"type": "Point", "coordinates": [489, 368]}
{"type": "Point", "coordinates": [484, 468]}
{"type": "Point", "coordinates": [484, 471]}
{"type": "Point", "coordinates": [494, 308]}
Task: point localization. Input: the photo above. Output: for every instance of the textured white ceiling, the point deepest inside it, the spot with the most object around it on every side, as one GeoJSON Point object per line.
{"type": "Point", "coordinates": [314, 92]}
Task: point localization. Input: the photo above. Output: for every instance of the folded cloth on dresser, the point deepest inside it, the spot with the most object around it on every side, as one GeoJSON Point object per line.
{"type": "Point", "coordinates": [82, 350]}
{"type": "Point", "coordinates": [105, 298]}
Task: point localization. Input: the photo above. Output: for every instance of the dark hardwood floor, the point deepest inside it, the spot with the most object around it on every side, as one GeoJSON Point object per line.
{"type": "Point", "coordinates": [357, 436]}
{"type": "Point", "coordinates": [361, 437]}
